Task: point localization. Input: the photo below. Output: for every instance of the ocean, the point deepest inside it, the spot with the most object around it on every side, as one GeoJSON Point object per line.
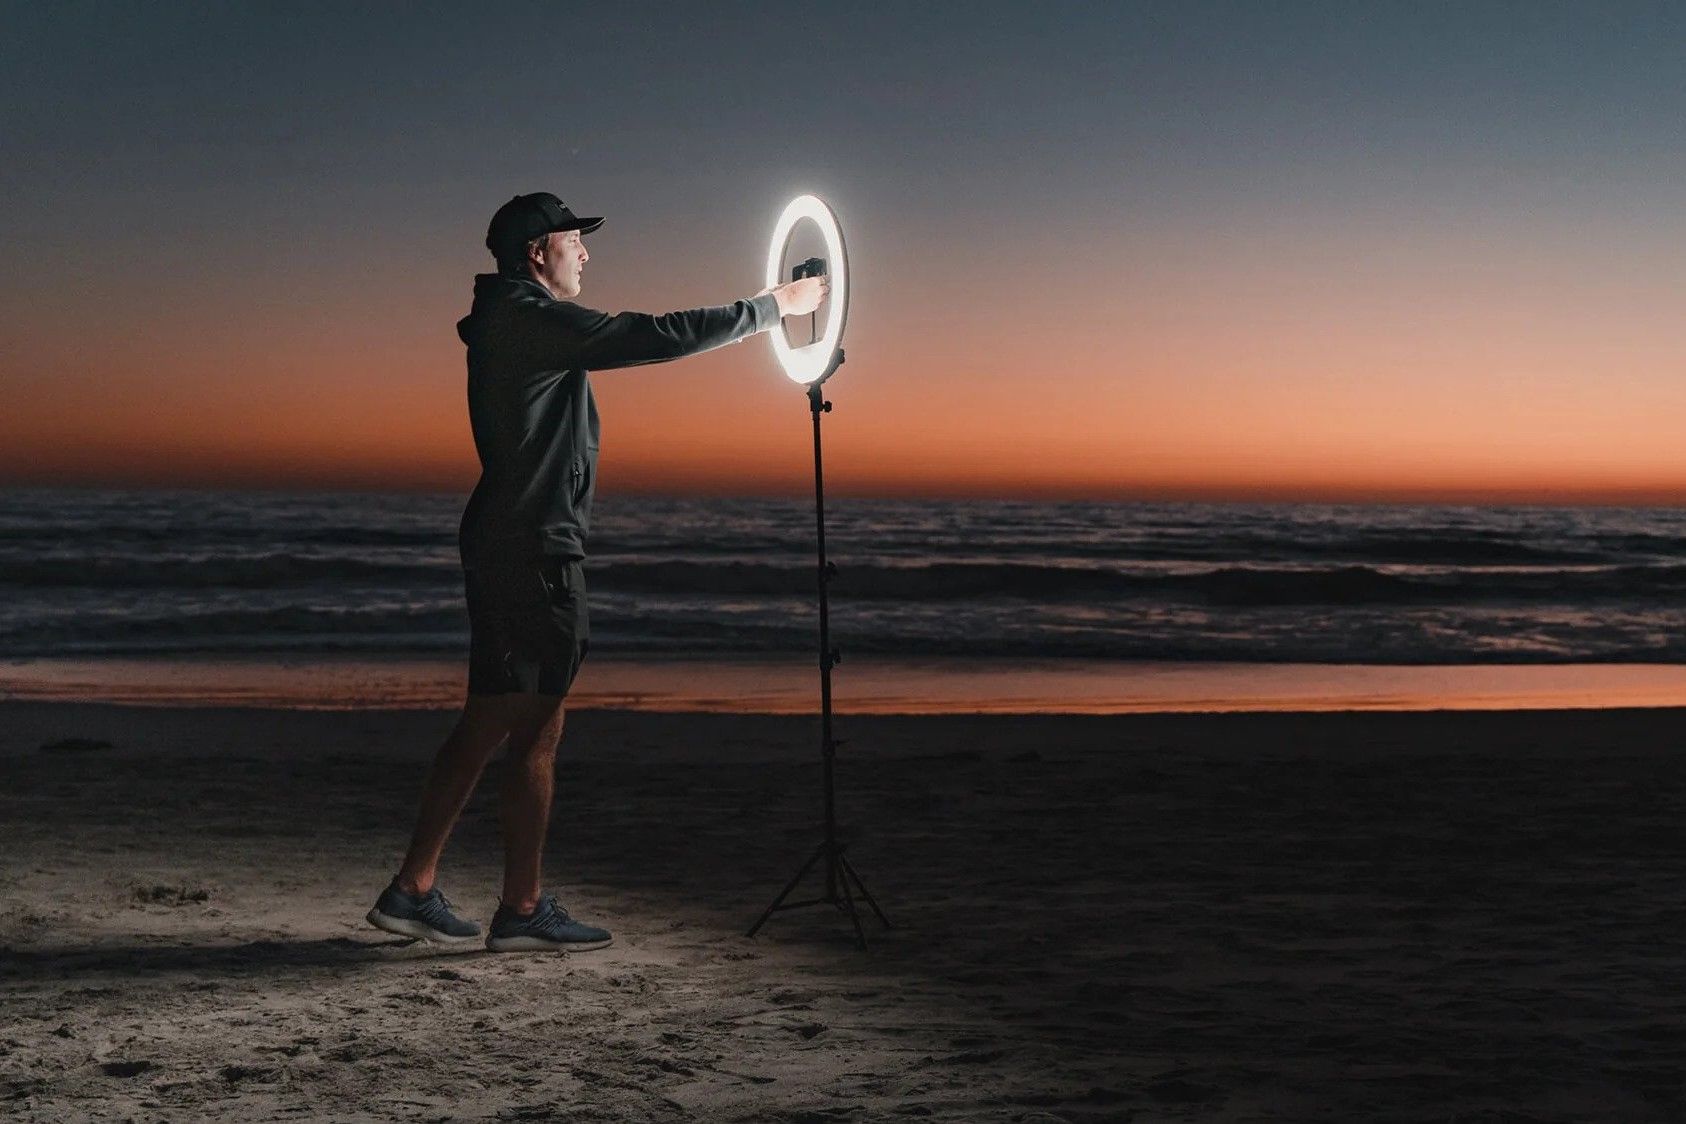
{"type": "Point", "coordinates": [141, 574]}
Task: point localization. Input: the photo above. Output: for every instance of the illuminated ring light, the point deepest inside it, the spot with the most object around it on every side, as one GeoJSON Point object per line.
{"type": "Point", "coordinates": [810, 361]}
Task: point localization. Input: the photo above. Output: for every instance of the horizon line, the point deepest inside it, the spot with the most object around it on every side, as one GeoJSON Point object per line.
{"type": "Point", "coordinates": [1216, 497]}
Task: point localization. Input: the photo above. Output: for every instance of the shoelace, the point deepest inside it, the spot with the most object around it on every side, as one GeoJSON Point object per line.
{"type": "Point", "coordinates": [554, 920]}
{"type": "Point", "coordinates": [434, 907]}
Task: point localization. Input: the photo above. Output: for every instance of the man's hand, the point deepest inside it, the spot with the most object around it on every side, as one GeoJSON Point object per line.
{"type": "Point", "coordinates": [798, 298]}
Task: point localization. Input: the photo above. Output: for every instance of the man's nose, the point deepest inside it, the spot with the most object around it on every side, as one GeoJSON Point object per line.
{"type": "Point", "coordinates": [584, 257]}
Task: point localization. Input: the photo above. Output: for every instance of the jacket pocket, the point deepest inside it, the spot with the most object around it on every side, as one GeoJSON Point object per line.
{"type": "Point", "coordinates": [580, 477]}
{"type": "Point", "coordinates": [553, 576]}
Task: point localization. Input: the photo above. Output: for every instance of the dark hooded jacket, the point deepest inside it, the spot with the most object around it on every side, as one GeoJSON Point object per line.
{"type": "Point", "coordinates": [531, 407]}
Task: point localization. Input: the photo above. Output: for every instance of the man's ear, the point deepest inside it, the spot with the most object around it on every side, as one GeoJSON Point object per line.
{"type": "Point", "coordinates": [536, 252]}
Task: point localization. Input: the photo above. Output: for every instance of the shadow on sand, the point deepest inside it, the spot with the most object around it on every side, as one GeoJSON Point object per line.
{"type": "Point", "coordinates": [250, 958]}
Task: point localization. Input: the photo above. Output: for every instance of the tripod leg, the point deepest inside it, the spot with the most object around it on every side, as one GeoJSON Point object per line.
{"type": "Point", "coordinates": [849, 898]}
{"type": "Point", "coordinates": [789, 886]}
{"type": "Point", "coordinates": [849, 872]}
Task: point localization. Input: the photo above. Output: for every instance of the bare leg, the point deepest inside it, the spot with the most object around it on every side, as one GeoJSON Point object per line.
{"type": "Point", "coordinates": [528, 788]}
{"type": "Point", "coordinates": [485, 722]}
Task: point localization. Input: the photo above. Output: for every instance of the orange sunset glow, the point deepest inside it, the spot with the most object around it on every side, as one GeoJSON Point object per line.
{"type": "Point", "coordinates": [1222, 389]}
{"type": "Point", "coordinates": [1449, 283]}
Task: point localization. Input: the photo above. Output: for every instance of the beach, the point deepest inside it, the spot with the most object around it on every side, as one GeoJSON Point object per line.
{"type": "Point", "coordinates": [1233, 597]}
{"type": "Point", "coordinates": [1344, 916]}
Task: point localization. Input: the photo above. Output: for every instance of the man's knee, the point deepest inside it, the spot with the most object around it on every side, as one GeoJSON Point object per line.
{"type": "Point", "coordinates": [537, 725]}
{"type": "Point", "coordinates": [485, 721]}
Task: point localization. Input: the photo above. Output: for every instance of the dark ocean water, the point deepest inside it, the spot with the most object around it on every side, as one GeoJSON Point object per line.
{"type": "Point", "coordinates": [142, 573]}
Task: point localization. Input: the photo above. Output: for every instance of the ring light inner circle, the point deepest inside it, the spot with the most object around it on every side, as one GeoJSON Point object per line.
{"type": "Point", "coordinates": [806, 363]}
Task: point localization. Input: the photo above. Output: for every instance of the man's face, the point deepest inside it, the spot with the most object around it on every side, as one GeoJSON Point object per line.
{"type": "Point", "coordinates": [564, 264]}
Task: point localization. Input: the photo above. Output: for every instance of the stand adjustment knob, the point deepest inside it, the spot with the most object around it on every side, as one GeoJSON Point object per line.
{"type": "Point", "coordinates": [834, 657]}
{"type": "Point", "coordinates": [826, 406]}
{"type": "Point", "coordinates": [830, 571]}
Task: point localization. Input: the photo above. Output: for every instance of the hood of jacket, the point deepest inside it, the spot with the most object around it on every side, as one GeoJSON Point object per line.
{"type": "Point", "coordinates": [492, 290]}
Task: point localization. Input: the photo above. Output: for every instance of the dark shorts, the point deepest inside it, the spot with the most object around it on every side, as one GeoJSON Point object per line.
{"type": "Point", "coordinates": [528, 628]}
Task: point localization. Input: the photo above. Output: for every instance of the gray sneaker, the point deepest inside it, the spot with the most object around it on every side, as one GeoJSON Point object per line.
{"type": "Point", "coordinates": [426, 917]}
{"type": "Point", "coordinates": [547, 927]}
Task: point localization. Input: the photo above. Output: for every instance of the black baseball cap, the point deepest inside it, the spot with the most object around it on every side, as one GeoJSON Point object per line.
{"type": "Point", "coordinates": [525, 217]}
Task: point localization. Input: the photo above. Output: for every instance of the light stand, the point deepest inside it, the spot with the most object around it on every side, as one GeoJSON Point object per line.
{"type": "Point", "coordinates": [839, 873]}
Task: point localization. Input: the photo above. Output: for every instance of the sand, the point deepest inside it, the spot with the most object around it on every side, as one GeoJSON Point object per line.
{"type": "Point", "coordinates": [1463, 917]}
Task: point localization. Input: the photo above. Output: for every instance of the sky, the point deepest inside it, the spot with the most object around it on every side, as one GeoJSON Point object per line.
{"type": "Point", "coordinates": [1252, 251]}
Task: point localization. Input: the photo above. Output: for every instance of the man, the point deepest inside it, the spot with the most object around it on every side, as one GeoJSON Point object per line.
{"type": "Point", "coordinates": [523, 538]}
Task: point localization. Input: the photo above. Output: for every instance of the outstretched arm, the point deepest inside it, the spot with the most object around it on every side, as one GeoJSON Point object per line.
{"type": "Point", "coordinates": [583, 337]}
